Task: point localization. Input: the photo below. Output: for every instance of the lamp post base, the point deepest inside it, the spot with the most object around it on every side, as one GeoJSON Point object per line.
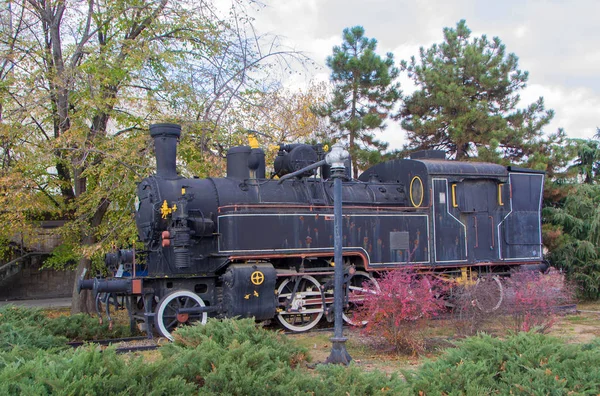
{"type": "Point", "coordinates": [339, 355]}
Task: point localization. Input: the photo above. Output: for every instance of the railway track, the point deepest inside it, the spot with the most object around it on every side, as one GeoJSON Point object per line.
{"type": "Point", "coordinates": [109, 341]}
{"type": "Point", "coordinates": [123, 345]}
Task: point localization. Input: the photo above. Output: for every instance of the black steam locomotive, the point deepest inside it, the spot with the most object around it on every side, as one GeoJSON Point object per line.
{"type": "Point", "coordinates": [250, 246]}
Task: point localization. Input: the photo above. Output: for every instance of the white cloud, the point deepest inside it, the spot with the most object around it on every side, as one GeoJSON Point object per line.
{"type": "Point", "coordinates": [578, 108]}
{"type": "Point", "coordinates": [556, 41]}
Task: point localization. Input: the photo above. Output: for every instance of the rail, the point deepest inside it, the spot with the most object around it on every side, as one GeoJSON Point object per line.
{"type": "Point", "coordinates": [127, 348]}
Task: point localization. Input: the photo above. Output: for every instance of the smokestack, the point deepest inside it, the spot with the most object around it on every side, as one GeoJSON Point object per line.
{"type": "Point", "coordinates": [165, 138]}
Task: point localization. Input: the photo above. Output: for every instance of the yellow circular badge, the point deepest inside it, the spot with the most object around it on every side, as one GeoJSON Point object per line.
{"type": "Point", "coordinates": [257, 278]}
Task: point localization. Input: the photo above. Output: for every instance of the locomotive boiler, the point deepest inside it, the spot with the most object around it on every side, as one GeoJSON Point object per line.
{"type": "Point", "coordinates": [250, 246]}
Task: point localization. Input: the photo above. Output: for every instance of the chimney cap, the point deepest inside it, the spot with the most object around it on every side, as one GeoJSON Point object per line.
{"type": "Point", "coordinates": [165, 130]}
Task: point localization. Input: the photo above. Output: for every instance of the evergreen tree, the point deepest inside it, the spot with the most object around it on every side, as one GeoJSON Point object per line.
{"type": "Point", "coordinates": [466, 103]}
{"type": "Point", "coordinates": [587, 163]}
{"type": "Point", "coordinates": [364, 92]}
{"type": "Point", "coordinates": [572, 234]}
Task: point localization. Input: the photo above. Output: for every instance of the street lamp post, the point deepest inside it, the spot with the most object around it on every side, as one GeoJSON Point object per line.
{"type": "Point", "coordinates": [336, 159]}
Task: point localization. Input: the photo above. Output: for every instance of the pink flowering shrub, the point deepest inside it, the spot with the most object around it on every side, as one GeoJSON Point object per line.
{"type": "Point", "coordinates": [394, 311]}
{"type": "Point", "coordinates": [531, 298]}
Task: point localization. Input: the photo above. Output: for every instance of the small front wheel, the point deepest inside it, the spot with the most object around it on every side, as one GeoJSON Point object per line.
{"type": "Point", "coordinates": [168, 317]}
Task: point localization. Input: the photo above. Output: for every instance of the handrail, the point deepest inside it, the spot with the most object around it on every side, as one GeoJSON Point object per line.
{"type": "Point", "coordinates": [21, 258]}
{"type": "Point", "coordinates": [4, 269]}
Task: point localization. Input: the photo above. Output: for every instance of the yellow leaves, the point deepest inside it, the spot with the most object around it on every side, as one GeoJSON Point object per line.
{"type": "Point", "coordinates": [285, 116]}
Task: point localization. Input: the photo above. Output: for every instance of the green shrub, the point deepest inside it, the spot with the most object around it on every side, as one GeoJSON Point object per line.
{"type": "Point", "coordinates": [225, 332]}
{"type": "Point", "coordinates": [12, 335]}
{"type": "Point", "coordinates": [82, 327]}
{"type": "Point", "coordinates": [237, 357]}
{"type": "Point", "coordinates": [525, 363]}
{"type": "Point", "coordinates": [19, 325]}
{"type": "Point", "coordinates": [13, 313]}
{"type": "Point", "coordinates": [88, 371]}
{"type": "Point", "coordinates": [233, 357]}
{"type": "Point", "coordinates": [26, 327]}
{"type": "Point", "coordinates": [339, 380]}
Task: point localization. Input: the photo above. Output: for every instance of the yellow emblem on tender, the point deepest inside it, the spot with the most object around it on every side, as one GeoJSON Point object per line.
{"type": "Point", "coordinates": [257, 278]}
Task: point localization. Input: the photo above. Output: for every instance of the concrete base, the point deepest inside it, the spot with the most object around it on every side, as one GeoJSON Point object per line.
{"type": "Point", "coordinates": [339, 354]}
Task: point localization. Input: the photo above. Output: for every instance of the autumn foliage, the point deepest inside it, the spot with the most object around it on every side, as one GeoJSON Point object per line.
{"type": "Point", "coordinates": [395, 311]}
{"type": "Point", "coordinates": [531, 298]}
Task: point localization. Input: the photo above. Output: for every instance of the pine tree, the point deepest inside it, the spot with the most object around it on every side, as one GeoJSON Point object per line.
{"type": "Point", "coordinates": [364, 92]}
{"type": "Point", "coordinates": [572, 233]}
{"type": "Point", "coordinates": [587, 163]}
{"type": "Point", "coordinates": [466, 103]}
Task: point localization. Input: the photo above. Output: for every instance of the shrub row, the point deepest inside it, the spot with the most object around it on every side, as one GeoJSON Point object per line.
{"type": "Point", "coordinates": [30, 327]}
{"type": "Point", "coordinates": [237, 357]}
{"type": "Point", "coordinates": [524, 363]}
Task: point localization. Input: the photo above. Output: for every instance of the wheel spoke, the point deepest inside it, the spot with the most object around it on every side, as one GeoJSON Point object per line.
{"type": "Point", "coordinates": [300, 313]}
{"type": "Point", "coordinates": [166, 314]}
{"type": "Point", "coordinates": [361, 284]}
{"type": "Point", "coordinates": [172, 324]}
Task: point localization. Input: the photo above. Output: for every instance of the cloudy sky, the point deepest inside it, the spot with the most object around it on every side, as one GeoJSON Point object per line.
{"type": "Point", "coordinates": [557, 41]}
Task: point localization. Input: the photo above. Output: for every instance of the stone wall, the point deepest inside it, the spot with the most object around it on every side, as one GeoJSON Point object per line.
{"type": "Point", "coordinates": [32, 282]}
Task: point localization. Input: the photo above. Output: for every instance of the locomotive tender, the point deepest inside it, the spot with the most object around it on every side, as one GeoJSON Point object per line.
{"type": "Point", "coordinates": [249, 246]}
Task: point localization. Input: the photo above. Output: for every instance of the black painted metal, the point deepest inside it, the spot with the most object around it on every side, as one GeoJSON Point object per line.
{"type": "Point", "coordinates": [339, 354]}
{"type": "Point", "coordinates": [244, 162]}
{"type": "Point", "coordinates": [106, 285]}
{"type": "Point", "coordinates": [245, 298]}
{"type": "Point", "coordinates": [301, 229]}
{"type": "Point", "coordinates": [294, 157]}
{"type": "Point", "coordinates": [165, 148]}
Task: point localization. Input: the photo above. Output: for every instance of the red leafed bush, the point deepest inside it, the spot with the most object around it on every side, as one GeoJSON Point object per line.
{"type": "Point", "coordinates": [395, 310]}
{"type": "Point", "coordinates": [531, 298]}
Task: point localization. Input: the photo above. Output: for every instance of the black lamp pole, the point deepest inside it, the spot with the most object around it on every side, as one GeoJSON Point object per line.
{"type": "Point", "coordinates": [336, 159]}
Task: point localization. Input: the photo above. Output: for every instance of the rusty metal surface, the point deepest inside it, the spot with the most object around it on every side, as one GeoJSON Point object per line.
{"type": "Point", "coordinates": [310, 232]}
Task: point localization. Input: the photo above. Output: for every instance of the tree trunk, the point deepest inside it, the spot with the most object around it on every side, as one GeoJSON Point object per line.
{"type": "Point", "coordinates": [84, 301]}
{"type": "Point", "coordinates": [351, 143]}
{"type": "Point", "coordinates": [462, 151]}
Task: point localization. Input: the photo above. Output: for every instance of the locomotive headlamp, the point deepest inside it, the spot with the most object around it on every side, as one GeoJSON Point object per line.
{"type": "Point", "coordinates": [336, 157]}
